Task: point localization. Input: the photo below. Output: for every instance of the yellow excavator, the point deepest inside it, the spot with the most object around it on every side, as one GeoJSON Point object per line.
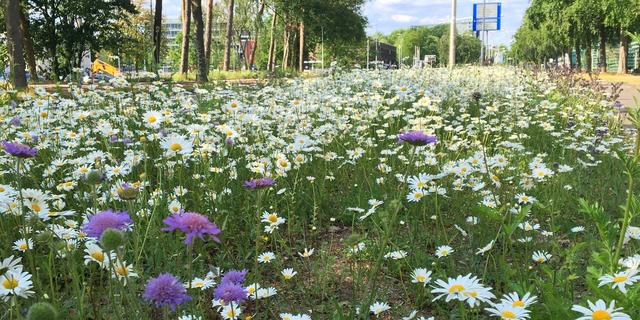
{"type": "Point", "coordinates": [99, 65]}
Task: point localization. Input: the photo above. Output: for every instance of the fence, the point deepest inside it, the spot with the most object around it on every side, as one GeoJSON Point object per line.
{"type": "Point", "coordinates": [613, 53]}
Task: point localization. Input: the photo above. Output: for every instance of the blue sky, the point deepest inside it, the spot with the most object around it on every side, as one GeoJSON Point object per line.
{"type": "Point", "coordinates": [388, 15]}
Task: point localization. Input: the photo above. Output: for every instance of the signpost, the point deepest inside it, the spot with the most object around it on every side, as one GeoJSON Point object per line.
{"type": "Point", "coordinates": [487, 16]}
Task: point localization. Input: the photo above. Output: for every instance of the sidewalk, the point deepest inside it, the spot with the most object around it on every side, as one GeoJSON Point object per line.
{"type": "Point", "coordinates": [629, 92]}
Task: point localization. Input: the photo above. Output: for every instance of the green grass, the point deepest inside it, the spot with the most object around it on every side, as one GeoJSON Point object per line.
{"type": "Point", "coordinates": [477, 115]}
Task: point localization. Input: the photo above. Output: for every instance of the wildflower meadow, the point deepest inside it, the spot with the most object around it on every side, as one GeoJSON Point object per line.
{"type": "Point", "coordinates": [472, 193]}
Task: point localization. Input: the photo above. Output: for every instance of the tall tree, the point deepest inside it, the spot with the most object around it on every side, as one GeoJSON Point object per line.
{"type": "Point", "coordinates": [301, 48]}
{"type": "Point", "coordinates": [15, 41]}
{"type": "Point", "coordinates": [28, 44]}
{"type": "Point", "coordinates": [285, 44]}
{"type": "Point", "coordinates": [202, 64]}
{"type": "Point", "coordinates": [602, 36]}
{"type": "Point", "coordinates": [621, 18]}
{"type": "Point", "coordinates": [258, 24]}
{"type": "Point", "coordinates": [272, 42]}
{"type": "Point", "coordinates": [157, 32]}
{"type": "Point", "coordinates": [186, 26]}
{"type": "Point", "coordinates": [207, 32]}
{"type": "Point", "coordinates": [228, 36]}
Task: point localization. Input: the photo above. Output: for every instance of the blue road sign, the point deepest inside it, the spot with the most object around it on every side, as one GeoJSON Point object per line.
{"type": "Point", "coordinates": [487, 16]}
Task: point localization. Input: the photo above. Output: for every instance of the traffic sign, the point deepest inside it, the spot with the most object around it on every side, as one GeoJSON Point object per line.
{"type": "Point", "coordinates": [487, 16]}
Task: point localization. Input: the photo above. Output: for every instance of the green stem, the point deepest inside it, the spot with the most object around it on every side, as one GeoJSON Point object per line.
{"type": "Point", "coordinates": [625, 222]}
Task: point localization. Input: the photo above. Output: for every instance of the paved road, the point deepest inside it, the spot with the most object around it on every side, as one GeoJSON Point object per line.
{"type": "Point", "coordinates": [628, 93]}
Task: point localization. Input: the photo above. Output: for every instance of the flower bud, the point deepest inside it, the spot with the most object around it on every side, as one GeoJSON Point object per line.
{"type": "Point", "coordinates": [111, 239]}
{"type": "Point", "coordinates": [42, 311]}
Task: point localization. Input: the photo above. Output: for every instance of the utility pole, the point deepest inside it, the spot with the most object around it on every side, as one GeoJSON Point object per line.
{"type": "Point", "coordinates": [482, 32]}
{"type": "Point", "coordinates": [452, 36]}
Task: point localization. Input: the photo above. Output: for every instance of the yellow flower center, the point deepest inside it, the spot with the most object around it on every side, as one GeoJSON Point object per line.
{"type": "Point", "coordinates": [272, 217]}
{"type": "Point", "coordinates": [23, 246]}
{"type": "Point", "coordinates": [2, 189]}
{"type": "Point", "coordinates": [122, 270]}
{"type": "Point", "coordinates": [198, 284]}
{"type": "Point", "coordinates": [601, 315]}
{"type": "Point", "coordinates": [540, 259]}
{"type": "Point", "coordinates": [175, 147]}
{"type": "Point", "coordinates": [35, 207]}
{"type": "Point", "coordinates": [152, 119]}
{"type": "Point", "coordinates": [456, 288]}
{"type": "Point", "coordinates": [620, 279]}
{"type": "Point", "coordinates": [472, 293]}
{"type": "Point", "coordinates": [97, 255]}
{"type": "Point", "coordinates": [508, 315]}
{"type": "Point", "coordinates": [420, 278]}
{"type": "Point", "coordinates": [10, 283]}
{"type": "Point", "coordinates": [518, 303]}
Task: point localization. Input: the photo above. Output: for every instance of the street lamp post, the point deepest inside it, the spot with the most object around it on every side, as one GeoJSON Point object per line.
{"type": "Point", "coordinates": [452, 36]}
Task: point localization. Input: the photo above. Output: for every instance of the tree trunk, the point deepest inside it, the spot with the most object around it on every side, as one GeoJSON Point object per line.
{"type": "Point", "coordinates": [228, 37]}
{"type": "Point", "coordinates": [202, 63]}
{"type": "Point", "coordinates": [186, 31]}
{"type": "Point", "coordinates": [622, 59]}
{"type": "Point", "coordinates": [285, 47]}
{"type": "Point", "coordinates": [157, 33]}
{"type": "Point", "coordinates": [252, 58]}
{"type": "Point", "coordinates": [14, 41]}
{"type": "Point", "coordinates": [207, 33]}
{"type": "Point", "coordinates": [602, 59]}
{"type": "Point", "coordinates": [589, 58]}
{"type": "Point", "coordinates": [28, 45]}
{"type": "Point", "coordinates": [272, 43]}
{"type": "Point", "coordinates": [301, 49]}
{"type": "Point", "coordinates": [578, 56]}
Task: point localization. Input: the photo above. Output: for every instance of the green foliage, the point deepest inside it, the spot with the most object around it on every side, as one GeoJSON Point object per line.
{"type": "Point", "coordinates": [62, 30]}
{"type": "Point", "coordinates": [432, 40]}
{"type": "Point", "coordinates": [467, 49]}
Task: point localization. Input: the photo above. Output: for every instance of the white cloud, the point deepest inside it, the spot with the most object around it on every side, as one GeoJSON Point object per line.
{"type": "Point", "coordinates": [434, 20]}
{"type": "Point", "coordinates": [403, 18]}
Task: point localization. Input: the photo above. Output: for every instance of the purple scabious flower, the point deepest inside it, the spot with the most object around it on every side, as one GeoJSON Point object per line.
{"type": "Point", "coordinates": [104, 220]}
{"type": "Point", "coordinates": [19, 150]}
{"type": "Point", "coordinates": [230, 292]}
{"type": "Point", "coordinates": [16, 121]}
{"type": "Point", "coordinates": [416, 138]}
{"type": "Point", "coordinates": [192, 224]}
{"type": "Point", "coordinates": [618, 104]}
{"type": "Point", "coordinates": [234, 276]}
{"type": "Point", "coordinates": [165, 290]}
{"type": "Point", "coordinates": [259, 183]}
